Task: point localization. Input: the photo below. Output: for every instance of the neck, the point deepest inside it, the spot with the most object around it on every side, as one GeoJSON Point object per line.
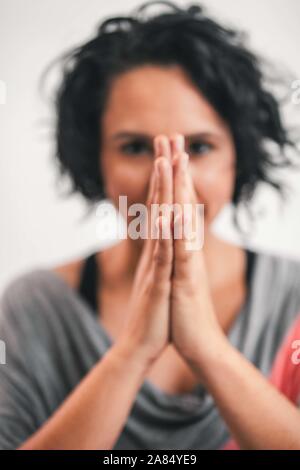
{"type": "Point", "coordinates": [224, 261]}
{"type": "Point", "coordinates": [118, 263]}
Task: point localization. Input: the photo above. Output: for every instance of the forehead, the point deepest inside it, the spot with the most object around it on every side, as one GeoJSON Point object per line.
{"type": "Point", "coordinates": [158, 99]}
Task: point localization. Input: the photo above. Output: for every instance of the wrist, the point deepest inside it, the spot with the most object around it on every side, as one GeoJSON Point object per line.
{"type": "Point", "coordinates": [134, 357]}
{"type": "Point", "coordinates": [207, 358]}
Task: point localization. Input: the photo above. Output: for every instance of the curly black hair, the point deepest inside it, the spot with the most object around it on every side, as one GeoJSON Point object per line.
{"type": "Point", "coordinates": [217, 61]}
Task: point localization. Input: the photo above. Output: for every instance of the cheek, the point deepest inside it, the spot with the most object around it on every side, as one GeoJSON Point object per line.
{"type": "Point", "coordinates": [126, 179]}
{"type": "Point", "coordinates": [214, 189]}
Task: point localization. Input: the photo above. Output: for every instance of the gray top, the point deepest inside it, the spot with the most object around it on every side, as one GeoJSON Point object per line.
{"type": "Point", "coordinates": [52, 341]}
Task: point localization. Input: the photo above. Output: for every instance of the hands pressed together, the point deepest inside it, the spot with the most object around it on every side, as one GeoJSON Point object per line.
{"type": "Point", "coordinates": [171, 304]}
{"type": "Point", "coordinates": [170, 300]}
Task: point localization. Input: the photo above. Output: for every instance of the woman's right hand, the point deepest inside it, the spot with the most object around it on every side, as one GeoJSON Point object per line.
{"type": "Point", "coordinates": [147, 327]}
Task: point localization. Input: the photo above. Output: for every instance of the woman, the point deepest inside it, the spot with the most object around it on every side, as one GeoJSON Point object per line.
{"type": "Point", "coordinates": [147, 344]}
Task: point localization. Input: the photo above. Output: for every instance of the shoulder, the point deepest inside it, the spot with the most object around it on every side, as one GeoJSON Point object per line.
{"type": "Point", "coordinates": [33, 295]}
{"type": "Point", "coordinates": [276, 292]}
{"type": "Point", "coordinates": [70, 272]}
{"type": "Point", "coordinates": [27, 284]}
{"type": "Point", "coordinates": [26, 291]}
{"type": "Point", "coordinates": [278, 269]}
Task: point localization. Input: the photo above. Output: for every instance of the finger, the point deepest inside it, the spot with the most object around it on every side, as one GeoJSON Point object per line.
{"type": "Point", "coordinates": [160, 203]}
{"type": "Point", "coordinates": [183, 207]}
{"type": "Point", "coordinates": [160, 192]}
{"type": "Point", "coordinates": [177, 144]}
{"type": "Point", "coordinates": [162, 147]}
{"type": "Point", "coordinates": [165, 180]}
{"type": "Point", "coordinates": [164, 196]}
{"type": "Point", "coordinates": [163, 248]}
{"type": "Point", "coordinates": [163, 253]}
{"type": "Point", "coordinates": [151, 187]}
{"type": "Point", "coordinates": [180, 178]}
{"type": "Point", "coordinates": [151, 200]}
{"type": "Point", "coordinates": [190, 188]}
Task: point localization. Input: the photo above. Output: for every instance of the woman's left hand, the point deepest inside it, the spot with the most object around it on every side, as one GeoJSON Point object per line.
{"type": "Point", "coordinates": [272, 422]}
{"type": "Point", "coordinates": [195, 330]}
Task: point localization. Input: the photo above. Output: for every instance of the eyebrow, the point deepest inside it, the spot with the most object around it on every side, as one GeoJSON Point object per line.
{"type": "Point", "coordinates": [141, 135]}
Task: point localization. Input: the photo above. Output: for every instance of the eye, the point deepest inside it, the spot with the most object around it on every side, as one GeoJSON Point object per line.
{"type": "Point", "coordinates": [135, 147]}
{"type": "Point", "coordinates": [200, 148]}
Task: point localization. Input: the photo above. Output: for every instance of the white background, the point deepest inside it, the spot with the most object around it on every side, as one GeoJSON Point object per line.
{"type": "Point", "coordinates": [38, 226]}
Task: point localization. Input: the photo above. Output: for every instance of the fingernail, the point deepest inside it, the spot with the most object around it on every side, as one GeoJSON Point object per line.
{"type": "Point", "coordinates": [180, 143]}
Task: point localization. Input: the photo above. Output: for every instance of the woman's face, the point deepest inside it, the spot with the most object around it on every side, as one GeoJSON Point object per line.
{"type": "Point", "coordinates": [151, 100]}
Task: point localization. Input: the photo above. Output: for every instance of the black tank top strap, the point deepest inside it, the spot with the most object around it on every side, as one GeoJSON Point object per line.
{"type": "Point", "coordinates": [250, 265]}
{"type": "Point", "coordinates": [89, 277]}
{"type": "Point", "coordinates": [88, 281]}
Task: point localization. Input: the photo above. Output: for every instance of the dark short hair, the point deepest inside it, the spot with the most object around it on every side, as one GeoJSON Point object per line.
{"type": "Point", "coordinates": [214, 57]}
